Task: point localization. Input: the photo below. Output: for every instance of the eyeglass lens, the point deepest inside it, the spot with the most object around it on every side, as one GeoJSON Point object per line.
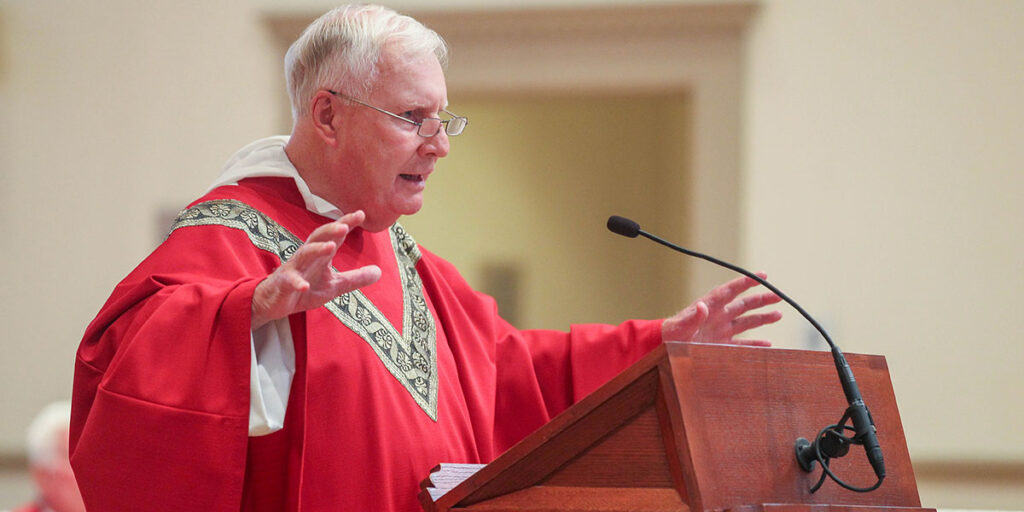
{"type": "Point", "coordinates": [431, 126]}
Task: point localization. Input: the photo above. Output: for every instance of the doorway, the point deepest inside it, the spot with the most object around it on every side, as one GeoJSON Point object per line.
{"type": "Point", "coordinates": [520, 205]}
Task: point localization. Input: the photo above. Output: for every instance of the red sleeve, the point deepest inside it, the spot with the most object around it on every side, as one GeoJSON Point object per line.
{"type": "Point", "coordinates": [541, 373]}
{"type": "Point", "coordinates": [516, 381]}
{"type": "Point", "coordinates": [161, 390]}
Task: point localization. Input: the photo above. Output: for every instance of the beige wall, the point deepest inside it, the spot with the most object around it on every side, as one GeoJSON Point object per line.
{"type": "Point", "coordinates": [873, 171]}
{"type": "Point", "coordinates": [884, 173]}
{"type": "Point", "coordinates": [113, 112]}
{"type": "Point", "coordinates": [529, 187]}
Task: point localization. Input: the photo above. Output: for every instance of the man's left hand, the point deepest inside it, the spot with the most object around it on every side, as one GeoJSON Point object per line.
{"type": "Point", "coordinates": [721, 315]}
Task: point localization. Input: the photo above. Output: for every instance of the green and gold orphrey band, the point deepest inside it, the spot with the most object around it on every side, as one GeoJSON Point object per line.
{"type": "Point", "coordinates": [411, 356]}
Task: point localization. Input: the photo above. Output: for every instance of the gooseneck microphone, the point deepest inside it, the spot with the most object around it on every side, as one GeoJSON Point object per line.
{"type": "Point", "coordinates": [830, 441]}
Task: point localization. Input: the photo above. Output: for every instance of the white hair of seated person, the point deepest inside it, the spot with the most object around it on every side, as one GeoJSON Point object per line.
{"type": "Point", "coordinates": [44, 435]}
{"type": "Point", "coordinates": [47, 445]}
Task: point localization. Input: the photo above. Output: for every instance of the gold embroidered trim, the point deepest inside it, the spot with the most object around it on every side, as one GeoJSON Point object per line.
{"type": "Point", "coordinates": [411, 356]}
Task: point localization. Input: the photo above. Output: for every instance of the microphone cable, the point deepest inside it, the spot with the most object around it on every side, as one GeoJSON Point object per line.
{"type": "Point", "coordinates": [807, 452]}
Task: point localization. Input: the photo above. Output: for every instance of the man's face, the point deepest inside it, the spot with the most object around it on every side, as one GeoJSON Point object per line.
{"type": "Point", "coordinates": [382, 164]}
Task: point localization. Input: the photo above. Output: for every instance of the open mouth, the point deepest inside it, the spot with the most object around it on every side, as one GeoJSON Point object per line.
{"type": "Point", "coordinates": [413, 177]}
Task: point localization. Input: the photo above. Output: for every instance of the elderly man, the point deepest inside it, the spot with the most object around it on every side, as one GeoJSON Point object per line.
{"type": "Point", "coordinates": [291, 346]}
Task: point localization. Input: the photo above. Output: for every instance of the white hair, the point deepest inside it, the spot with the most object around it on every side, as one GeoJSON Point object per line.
{"type": "Point", "coordinates": [343, 49]}
{"type": "Point", "coordinates": [46, 433]}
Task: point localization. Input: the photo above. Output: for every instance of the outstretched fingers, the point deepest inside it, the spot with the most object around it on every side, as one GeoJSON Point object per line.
{"type": "Point", "coordinates": [751, 343]}
{"type": "Point", "coordinates": [754, 320]}
{"type": "Point", "coordinates": [311, 259]}
{"type": "Point", "coordinates": [742, 305]}
{"type": "Point", "coordinates": [726, 293]}
{"type": "Point", "coordinates": [307, 280]}
{"type": "Point", "coordinates": [349, 280]}
{"type": "Point", "coordinates": [684, 325]}
{"type": "Point", "coordinates": [336, 231]}
{"type": "Point", "coordinates": [724, 313]}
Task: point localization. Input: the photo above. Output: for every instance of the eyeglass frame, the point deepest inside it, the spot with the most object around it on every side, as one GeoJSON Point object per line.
{"type": "Point", "coordinates": [419, 124]}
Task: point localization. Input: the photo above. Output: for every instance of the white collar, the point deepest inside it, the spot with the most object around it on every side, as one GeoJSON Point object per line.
{"type": "Point", "coordinates": [266, 158]}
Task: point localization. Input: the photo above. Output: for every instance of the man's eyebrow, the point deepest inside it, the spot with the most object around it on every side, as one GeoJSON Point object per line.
{"type": "Point", "coordinates": [419, 104]}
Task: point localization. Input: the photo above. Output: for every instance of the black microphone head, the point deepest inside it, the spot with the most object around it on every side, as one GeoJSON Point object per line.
{"type": "Point", "coordinates": [623, 226]}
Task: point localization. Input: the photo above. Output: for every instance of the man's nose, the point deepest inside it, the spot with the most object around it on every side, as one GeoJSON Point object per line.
{"type": "Point", "coordinates": [436, 146]}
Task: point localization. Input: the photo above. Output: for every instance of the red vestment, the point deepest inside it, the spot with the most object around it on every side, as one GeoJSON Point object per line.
{"type": "Point", "coordinates": [161, 390]}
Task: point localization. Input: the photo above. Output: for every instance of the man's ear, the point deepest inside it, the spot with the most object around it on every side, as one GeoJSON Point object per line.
{"type": "Point", "coordinates": [324, 117]}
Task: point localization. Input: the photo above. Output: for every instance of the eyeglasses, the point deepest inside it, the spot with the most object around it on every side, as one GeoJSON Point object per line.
{"type": "Point", "coordinates": [426, 127]}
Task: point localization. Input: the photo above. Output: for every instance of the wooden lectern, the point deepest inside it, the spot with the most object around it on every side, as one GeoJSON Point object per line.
{"type": "Point", "coordinates": [700, 427]}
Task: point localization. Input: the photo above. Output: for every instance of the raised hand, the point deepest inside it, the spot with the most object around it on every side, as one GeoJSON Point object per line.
{"type": "Point", "coordinates": [307, 281]}
{"type": "Point", "coordinates": [721, 315]}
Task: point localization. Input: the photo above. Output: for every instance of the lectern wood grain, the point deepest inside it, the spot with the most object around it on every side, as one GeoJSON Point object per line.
{"type": "Point", "coordinates": [699, 427]}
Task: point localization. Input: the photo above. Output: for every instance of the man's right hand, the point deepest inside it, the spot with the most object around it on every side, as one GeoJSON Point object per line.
{"type": "Point", "coordinates": [307, 281]}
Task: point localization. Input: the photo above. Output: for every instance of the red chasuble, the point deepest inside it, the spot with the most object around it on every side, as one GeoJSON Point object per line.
{"type": "Point", "coordinates": [390, 380]}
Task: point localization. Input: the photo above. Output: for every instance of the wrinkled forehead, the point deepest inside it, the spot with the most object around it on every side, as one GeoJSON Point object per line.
{"type": "Point", "coordinates": [395, 58]}
{"type": "Point", "coordinates": [417, 79]}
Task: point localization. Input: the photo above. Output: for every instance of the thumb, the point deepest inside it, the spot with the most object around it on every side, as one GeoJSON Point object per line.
{"type": "Point", "coordinates": [683, 326]}
{"type": "Point", "coordinates": [349, 280]}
